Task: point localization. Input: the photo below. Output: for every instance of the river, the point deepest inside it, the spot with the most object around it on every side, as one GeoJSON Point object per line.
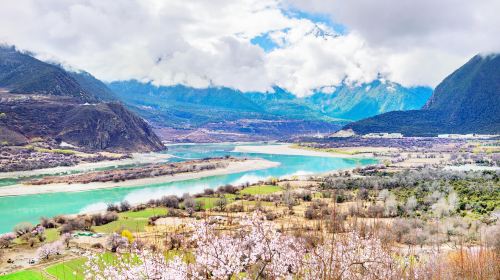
{"type": "Point", "coordinates": [30, 208]}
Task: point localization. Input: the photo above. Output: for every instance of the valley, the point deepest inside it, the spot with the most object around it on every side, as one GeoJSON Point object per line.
{"type": "Point", "coordinates": [236, 140]}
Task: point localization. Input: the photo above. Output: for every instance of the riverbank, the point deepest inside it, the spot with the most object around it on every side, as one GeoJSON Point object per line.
{"type": "Point", "coordinates": [232, 167]}
{"type": "Point", "coordinates": [137, 158]}
{"type": "Point", "coordinates": [289, 149]}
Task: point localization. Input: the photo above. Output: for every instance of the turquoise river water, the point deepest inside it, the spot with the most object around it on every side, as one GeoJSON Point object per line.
{"type": "Point", "coordinates": [30, 208]}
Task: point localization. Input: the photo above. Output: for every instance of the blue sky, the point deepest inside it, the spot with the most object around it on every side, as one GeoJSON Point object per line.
{"type": "Point", "coordinates": [267, 44]}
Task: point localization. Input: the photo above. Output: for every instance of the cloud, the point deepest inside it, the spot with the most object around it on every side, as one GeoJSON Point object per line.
{"type": "Point", "coordinates": [422, 41]}
{"type": "Point", "coordinates": [311, 57]}
{"type": "Point", "coordinates": [306, 45]}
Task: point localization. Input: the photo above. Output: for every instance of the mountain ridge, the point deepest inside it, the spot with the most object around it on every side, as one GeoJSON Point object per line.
{"type": "Point", "coordinates": [156, 102]}
{"type": "Point", "coordinates": [42, 100]}
{"type": "Point", "coordinates": [466, 101]}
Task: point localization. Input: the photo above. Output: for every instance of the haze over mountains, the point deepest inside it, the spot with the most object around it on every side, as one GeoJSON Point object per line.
{"type": "Point", "coordinates": [39, 99]}
{"type": "Point", "coordinates": [467, 101]}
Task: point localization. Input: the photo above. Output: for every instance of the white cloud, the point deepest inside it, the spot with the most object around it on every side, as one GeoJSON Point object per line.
{"type": "Point", "coordinates": [307, 62]}
{"type": "Point", "coordinates": [422, 41]}
{"type": "Point", "coordinates": [201, 43]}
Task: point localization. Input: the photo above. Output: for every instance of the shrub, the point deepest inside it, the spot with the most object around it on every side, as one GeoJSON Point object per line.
{"type": "Point", "coordinates": [60, 219]}
{"type": "Point", "coordinates": [6, 239]}
{"type": "Point", "coordinates": [340, 198]}
{"type": "Point", "coordinates": [23, 228]}
{"type": "Point", "coordinates": [208, 191]}
{"type": "Point", "coordinates": [102, 219]}
{"type": "Point", "coordinates": [115, 242]}
{"type": "Point", "coordinates": [189, 203]}
{"type": "Point", "coordinates": [125, 206]}
{"type": "Point", "coordinates": [48, 223]}
{"type": "Point", "coordinates": [227, 189]}
{"type": "Point", "coordinates": [97, 246]}
{"type": "Point", "coordinates": [49, 249]}
{"type": "Point", "coordinates": [172, 212]}
{"type": "Point", "coordinates": [363, 194]}
{"type": "Point", "coordinates": [128, 235]}
{"type": "Point", "coordinates": [306, 196]}
{"type": "Point", "coordinates": [170, 201]}
{"type": "Point", "coordinates": [236, 208]}
{"type": "Point", "coordinates": [78, 223]}
{"type": "Point", "coordinates": [113, 208]}
{"type": "Point", "coordinates": [221, 203]}
{"type": "Point", "coordinates": [375, 211]}
{"type": "Point", "coordinates": [199, 205]}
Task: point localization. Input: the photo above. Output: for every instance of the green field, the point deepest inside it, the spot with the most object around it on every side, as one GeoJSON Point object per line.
{"type": "Point", "coordinates": [52, 234]}
{"type": "Point", "coordinates": [146, 213]}
{"type": "Point", "coordinates": [133, 221]}
{"type": "Point", "coordinates": [69, 270]}
{"type": "Point", "coordinates": [264, 189]}
{"type": "Point", "coordinates": [24, 275]}
{"type": "Point", "coordinates": [209, 202]}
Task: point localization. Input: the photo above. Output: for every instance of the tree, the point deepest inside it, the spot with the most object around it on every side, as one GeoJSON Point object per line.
{"type": "Point", "coordinates": [6, 239]}
{"type": "Point", "coordinates": [22, 228]}
{"type": "Point", "coordinates": [49, 249]}
{"type": "Point", "coordinates": [352, 257]}
{"type": "Point", "coordinates": [125, 206]}
{"type": "Point", "coordinates": [66, 238]}
{"type": "Point", "coordinates": [115, 241]}
{"type": "Point", "coordinates": [411, 204]}
{"type": "Point", "coordinates": [221, 203]}
{"type": "Point", "coordinates": [255, 250]}
{"type": "Point", "coordinates": [391, 206]}
{"type": "Point", "coordinates": [128, 235]}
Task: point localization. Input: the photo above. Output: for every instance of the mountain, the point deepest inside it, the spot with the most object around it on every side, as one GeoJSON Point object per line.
{"type": "Point", "coordinates": [228, 110]}
{"type": "Point", "coordinates": [366, 100]}
{"type": "Point", "coordinates": [22, 73]}
{"type": "Point", "coordinates": [467, 101]}
{"type": "Point", "coordinates": [41, 100]}
{"type": "Point", "coordinates": [93, 86]}
{"type": "Point", "coordinates": [201, 114]}
{"type": "Point", "coordinates": [180, 106]}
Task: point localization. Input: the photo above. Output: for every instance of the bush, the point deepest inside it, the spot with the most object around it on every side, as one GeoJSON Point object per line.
{"type": "Point", "coordinates": [97, 246]}
{"type": "Point", "coordinates": [102, 219]}
{"type": "Point", "coordinates": [310, 213]}
{"type": "Point", "coordinates": [189, 203]}
{"type": "Point", "coordinates": [128, 235]}
{"type": "Point", "coordinates": [23, 228]}
{"type": "Point", "coordinates": [227, 189]}
{"type": "Point", "coordinates": [316, 210]}
{"type": "Point", "coordinates": [113, 208]}
{"type": "Point", "coordinates": [48, 223]}
{"type": "Point", "coordinates": [139, 207]}
{"type": "Point", "coordinates": [221, 203]}
{"type": "Point", "coordinates": [236, 208]}
{"type": "Point", "coordinates": [199, 205]}
{"type": "Point", "coordinates": [340, 198]}
{"type": "Point", "coordinates": [60, 219]}
{"type": "Point", "coordinates": [172, 212]}
{"type": "Point", "coordinates": [170, 201]}
{"type": "Point", "coordinates": [6, 239]}
{"type": "Point", "coordinates": [208, 191]}
{"type": "Point", "coordinates": [152, 220]}
{"type": "Point", "coordinates": [78, 223]}
{"type": "Point", "coordinates": [306, 196]}
{"type": "Point", "coordinates": [363, 194]}
{"type": "Point", "coordinates": [271, 216]}
{"type": "Point", "coordinates": [375, 211]}
{"type": "Point", "coordinates": [125, 206]}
